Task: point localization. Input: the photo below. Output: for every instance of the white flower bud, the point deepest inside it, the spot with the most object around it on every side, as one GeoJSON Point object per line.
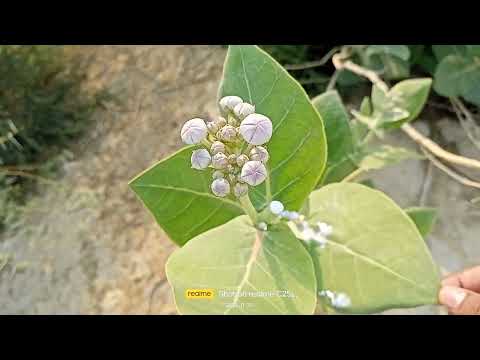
{"type": "Point", "coordinates": [262, 226]}
{"type": "Point", "coordinates": [217, 174]}
{"type": "Point", "coordinates": [242, 160]}
{"type": "Point", "coordinates": [228, 103]}
{"type": "Point", "coordinates": [217, 147]}
{"type": "Point", "coordinates": [221, 187]}
{"type": "Point", "coordinates": [232, 159]}
{"type": "Point", "coordinates": [290, 215]}
{"type": "Point", "coordinates": [254, 173]}
{"type": "Point", "coordinates": [242, 110]}
{"type": "Point", "coordinates": [276, 207]}
{"type": "Point", "coordinates": [194, 131]}
{"type": "Point", "coordinates": [221, 122]}
{"type": "Point", "coordinates": [212, 127]}
{"type": "Point", "coordinates": [200, 159]}
{"type": "Point", "coordinates": [259, 153]}
{"type": "Point", "coordinates": [325, 229]}
{"type": "Point", "coordinates": [240, 189]}
{"type": "Point", "coordinates": [341, 301]}
{"type": "Point", "coordinates": [227, 133]}
{"type": "Point", "coordinates": [219, 161]}
{"type": "Point", "coordinates": [256, 129]}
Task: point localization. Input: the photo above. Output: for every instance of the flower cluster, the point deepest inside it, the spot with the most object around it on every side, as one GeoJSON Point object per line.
{"type": "Point", "coordinates": [233, 146]}
{"type": "Point", "coordinates": [340, 300]}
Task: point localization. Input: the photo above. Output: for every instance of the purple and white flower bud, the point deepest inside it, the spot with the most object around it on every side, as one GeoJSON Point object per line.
{"type": "Point", "coordinates": [228, 103]}
{"type": "Point", "coordinates": [194, 131]}
{"type": "Point", "coordinates": [219, 161]}
{"type": "Point", "coordinates": [242, 110]}
{"type": "Point", "coordinates": [242, 160]}
{"type": "Point", "coordinates": [276, 207]}
{"type": "Point", "coordinates": [217, 174]}
{"type": "Point", "coordinates": [254, 173]}
{"type": "Point", "coordinates": [212, 127]}
{"type": "Point", "coordinates": [200, 159]}
{"type": "Point", "coordinates": [240, 189]}
{"type": "Point", "coordinates": [217, 147]}
{"type": "Point", "coordinates": [259, 153]}
{"type": "Point", "coordinates": [256, 129]}
{"type": "Point", "coordinates": [227, 133]}
{"type": "Point", "coordinates": [220, 187]}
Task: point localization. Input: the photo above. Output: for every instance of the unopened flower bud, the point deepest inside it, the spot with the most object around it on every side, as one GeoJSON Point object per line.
{"type": "Point", "coordinates": [242, 160]}
{"type": "Point", "coordinates": [221, 122]}
{"type": "Point", "coordinates": [194, 131]}
{"type": "Point", "coordinates": [254, 173]}
{"type": "Point", "coordinates": [259, 153]}
{"type": "Point", "coordinates": [217, 147]}
{"type": "Point", "coordinates": [262, 226]}
{"type": "Point", "coordinates": [228, 103]}
{"type": "Point", "coordinates": [227, 133]}
{"type": "Point", "coordinates": [242, 110]}
{"type": "Point", "coordinates": [231, 169]}
{"type": "Point", "coordinates": [217, 174]}
{"type": "Point", "coordinates": [240, 189]}
{"type": "Point", "coordinates": [221, 187]}
{"type": "Point", "coordinates": [276, 207]}
{"type": "Point", "coordinates": [219, 161]}
{"type": "Point", "coordinates": [232, 159]}
{"type": "Point", "coordinates": [200, 159]}
{"type": "Point", "coordinates": [325, 229]}
{"type": "Point", "coordinates": [212, 127]}
{"type": "Point", "coordinates": [256, 129]}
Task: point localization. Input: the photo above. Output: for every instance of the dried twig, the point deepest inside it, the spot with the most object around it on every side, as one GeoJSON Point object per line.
{"type": "Point", "coordinates": [467, 121]}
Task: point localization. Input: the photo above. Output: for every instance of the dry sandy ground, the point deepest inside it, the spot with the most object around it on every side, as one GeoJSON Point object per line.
{"type": "Point", "coordinates": [89, 247]}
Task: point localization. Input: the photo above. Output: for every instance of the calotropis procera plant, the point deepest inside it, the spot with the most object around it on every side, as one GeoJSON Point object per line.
{"type": "Point", "coordinates": [259, 227]}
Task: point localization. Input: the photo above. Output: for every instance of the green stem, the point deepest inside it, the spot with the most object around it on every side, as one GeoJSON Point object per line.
{"type": "Point", "coordinates": [249, 208]}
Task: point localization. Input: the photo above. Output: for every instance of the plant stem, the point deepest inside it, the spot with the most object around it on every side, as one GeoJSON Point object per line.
{"type": "Point", "coordinates": [353, 175]}
{"type": "Point", "coordinates": [249, 208]}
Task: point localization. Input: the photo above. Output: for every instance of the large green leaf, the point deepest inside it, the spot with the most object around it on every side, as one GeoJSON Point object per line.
{"type": "Point", "coordinates": [376, 255]}
{"type": "Point", "coordinates": [442, 51]}
{"type": "Point", "coordinates": [339, 135]}
{"type": "Point", "coordinates": [298, 149]}
{"type": "Point", "coordinates": [249, 272]}
{"type": "Point", "coordinates": [180, 198]}
{"type": "Point", "coordinates": [424, 218]}
{"type": "Point", "coordinates": [459, 76]}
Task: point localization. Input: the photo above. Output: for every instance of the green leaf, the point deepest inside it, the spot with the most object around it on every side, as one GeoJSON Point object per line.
{"type": "Point", "coordinates": [442, 51]}
{"type": "Point", "coordinates": [376, 255]}
{"type": "Point", "coordinates": [298, 148]}
{"type": "Point", "coordinates": [473, 50]}
{"type": "Point", "coordinates": [180, 198]}
{"type": "Point", "coordinates": [339, 134]}
{"type": "Point", "coordinates": [459, 76]}
{"type": "Point", "coordinates": [399, 51]}
{"type": "Point", "coordinates": [424, 218]}
{"type": "Point", "coordinates": [382, 156]}
{"type": "Point", "coordinates": [245, 263]}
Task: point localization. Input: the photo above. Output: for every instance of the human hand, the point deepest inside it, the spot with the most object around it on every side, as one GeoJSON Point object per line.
{"type": "Point", "coordinates": [460, 292]}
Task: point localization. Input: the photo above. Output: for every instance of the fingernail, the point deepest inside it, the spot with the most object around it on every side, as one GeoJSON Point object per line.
{"type": "Point", "coordinates": [452, 297]}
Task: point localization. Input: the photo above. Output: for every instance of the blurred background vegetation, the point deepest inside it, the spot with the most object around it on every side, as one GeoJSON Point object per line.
{"type": "Point", "coordinates": [42, 109]}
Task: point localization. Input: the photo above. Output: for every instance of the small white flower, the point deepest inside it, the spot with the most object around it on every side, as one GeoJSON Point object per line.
{"type": "Point", "coordinates": [240, 189]}
{"type": "Point", "coordinates": [194, 131]}
{"type": "Point", "coordinates": [242, 110]}
{"type": "Point", "coordinates": [259, 153]}
{"type": "Point", "coordinates": [341, 301]}
{"type": "Point", "coordinates": [256, 129]}
{"type": "Point", "coordinates": [217, 174]}
{"type": "Point", "coordinates": [220, 187]}
{"type": "Point", "coordinates": [227, 133]}
{"type": "Point", "coordinates": [262, 226]}
{"type": "Point", "coordinates": [290, 215]}
{"type": "Point", "coordinates": [254, 173]}
{"type": "Point", "coordinates": [212, 127]}
{"type": "Point", "coordinates": [325, 229]}
{"type": "Point", "coordinates": [276, 207]}
{"type": "Point", "coordinates": [219, 161]}
{"type": "Point", "coordinates": [319, 238]}
{"type": "Point", "coordinates": [200, 159]}
{"type": "Point", "coordinates": [242, 160]}
{"type": "Point", "coordinates": [228, 103]}
{"type": "Point", "coordinates": [308, 233]}
{"type": "Point", "coordinates": [217, 147]}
